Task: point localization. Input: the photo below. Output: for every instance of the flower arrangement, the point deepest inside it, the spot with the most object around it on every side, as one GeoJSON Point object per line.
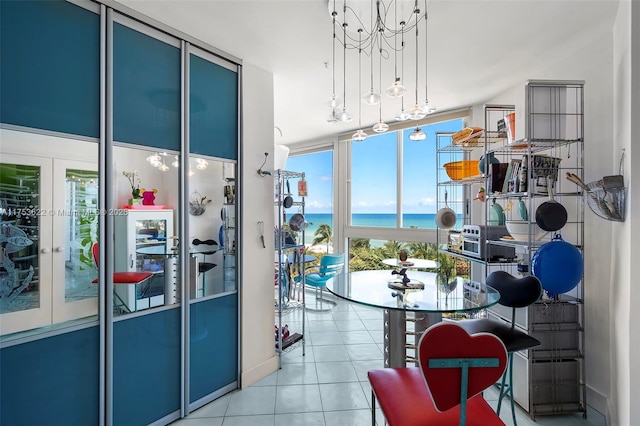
{"type": "Point", "coordinates": [134, 181]}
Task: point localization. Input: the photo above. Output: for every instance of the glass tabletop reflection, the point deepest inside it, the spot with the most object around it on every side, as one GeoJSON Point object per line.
{"type": "Point", "coordinates": [373, 288]}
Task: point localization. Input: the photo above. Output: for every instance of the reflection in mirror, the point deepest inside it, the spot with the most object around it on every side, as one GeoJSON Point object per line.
{"type": "Point", "coordinates": [48, 222]}
{"type": "Point", "coordinates": [19, 242]}
{"type": "Point", "coordinates": [212, 210]}
{"type": "Point", "coordinates": [81, 225]}
{"type": "Point", "coordinates": [146, 241]}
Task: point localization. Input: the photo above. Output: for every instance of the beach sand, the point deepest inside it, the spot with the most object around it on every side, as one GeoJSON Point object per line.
{"type": "Point", "coordinates": [318, 248]}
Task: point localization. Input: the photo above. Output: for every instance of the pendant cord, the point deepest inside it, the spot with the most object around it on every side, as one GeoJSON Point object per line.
{"type": "Point", "coordinates": [344, 73]}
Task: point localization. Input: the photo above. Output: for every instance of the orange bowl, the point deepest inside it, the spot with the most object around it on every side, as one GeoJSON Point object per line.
{"type": "Point", "coordinates": [462, 169]}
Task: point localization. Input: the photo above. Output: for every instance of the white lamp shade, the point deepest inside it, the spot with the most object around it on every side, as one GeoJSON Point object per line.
{"type": "Point", "coordinates": [280, 156]}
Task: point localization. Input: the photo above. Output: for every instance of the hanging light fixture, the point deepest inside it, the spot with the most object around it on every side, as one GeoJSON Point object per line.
{"type": "Point", "coordinates": [427, 107]}
{"type": "Point", "coordinates": [416, 112]}
{"type": "Point", "coordinates": [417, 135]}
{"type": "Point", "coordinates": [344, 116]}
{"type": "Point", "coordinates": [163, 167]}
{"type": "Point", "coordinates": [376, 33]}
{"type": "Point", "coordinates": [360, 135]}
{"type": "Point", "coordinates": [396, 90]}
{"type": "Point", "coordinates": [402, 115]}
{"type": "Point", "coordinates": [371, 98]}
{"type": "Point", "coordinates": [155, 159]}
{"type": "Point", "coordinates": [380, 126]}
{"type": "Point", "coordinates": [333, 102]}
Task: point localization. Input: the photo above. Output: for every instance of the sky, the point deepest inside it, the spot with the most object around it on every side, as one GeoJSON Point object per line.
{"type": "Point", "coordinates": [374, 173]}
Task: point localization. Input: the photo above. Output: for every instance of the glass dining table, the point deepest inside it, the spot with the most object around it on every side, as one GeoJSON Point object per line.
{"type": "Point", "coordinates": [411, 302]}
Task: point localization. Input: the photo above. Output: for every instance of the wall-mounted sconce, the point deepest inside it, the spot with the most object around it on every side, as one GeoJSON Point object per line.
{"type": "Point", "coordinates": [261, 172]}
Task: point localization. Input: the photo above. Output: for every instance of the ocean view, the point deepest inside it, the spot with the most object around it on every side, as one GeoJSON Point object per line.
{"type": "Point", "coordinates": [417, 220]}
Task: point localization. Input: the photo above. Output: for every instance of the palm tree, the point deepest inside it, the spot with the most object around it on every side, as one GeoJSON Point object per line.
{"type": "Point", "coordinates": [323, 235]}
{"type": "Point", "coordinates": [390, 249]}
{"type": "Point", "coordinates": [364, 243]}
{"type": "Point", "coordinates": [423, 250]}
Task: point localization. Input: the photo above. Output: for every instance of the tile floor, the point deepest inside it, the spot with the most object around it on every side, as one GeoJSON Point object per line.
{"type": "Point", "coordinates": [328, 386]}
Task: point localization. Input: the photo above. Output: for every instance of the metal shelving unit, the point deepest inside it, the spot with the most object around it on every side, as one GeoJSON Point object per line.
{"type": "Point", "coordinates": [290, 293]}
{"type": "Point", "coordinates": [548, 379]}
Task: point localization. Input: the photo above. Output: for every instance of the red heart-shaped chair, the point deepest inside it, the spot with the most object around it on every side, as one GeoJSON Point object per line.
{"type": "Point", "coordinates": [454, 368]}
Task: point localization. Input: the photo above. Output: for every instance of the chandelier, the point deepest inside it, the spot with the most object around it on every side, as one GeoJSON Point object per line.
{"type": "Point", "coordinates": [377, 29]}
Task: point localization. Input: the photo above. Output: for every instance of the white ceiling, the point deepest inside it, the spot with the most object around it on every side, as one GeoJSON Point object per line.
{"type": "Point", "coordinates": [477, 49]}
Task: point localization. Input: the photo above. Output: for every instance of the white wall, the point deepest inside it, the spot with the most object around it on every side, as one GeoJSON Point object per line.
{"type": "Point", "coordinates": [625, 340]}
{"type": "Point", "coordinates": [256, 194]}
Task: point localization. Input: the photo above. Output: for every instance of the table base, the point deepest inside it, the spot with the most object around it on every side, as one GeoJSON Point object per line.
{"type": "Point", "coordinates": [396, 337]}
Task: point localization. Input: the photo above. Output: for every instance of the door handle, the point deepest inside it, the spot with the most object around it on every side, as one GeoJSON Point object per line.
{"type": "Point", "coordinates": [44, 250]}
{"type": "Point", "coordinates": [59, 249]}
{"type": "Point", "coordinates": [131, 261]}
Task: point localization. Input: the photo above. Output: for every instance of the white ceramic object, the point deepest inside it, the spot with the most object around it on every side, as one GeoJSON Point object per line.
{"type": "Point", "coordinates": [519, 230]}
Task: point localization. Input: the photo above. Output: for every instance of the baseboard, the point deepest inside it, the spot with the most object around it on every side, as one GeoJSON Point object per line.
{"type": "Point", "coordinates": [597, 401]}
{"type": "Point", "coordinates": [259, 372]}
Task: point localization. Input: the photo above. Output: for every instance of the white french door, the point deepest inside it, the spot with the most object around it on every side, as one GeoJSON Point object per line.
{"type": "Point", "coordinates": [49, 219]}
{"type": "Point", "coordinates": [25, 243]}
{"type": "Point", "coordinates": [75, 228]}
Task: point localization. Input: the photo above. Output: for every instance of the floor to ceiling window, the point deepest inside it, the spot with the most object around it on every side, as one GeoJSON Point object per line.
{"type": "Point", "coordinates": [378, 199]}
{"type": "Point", "coordinates": [391, 196]}
{"type": "Point", "coordinates": [318, 169]}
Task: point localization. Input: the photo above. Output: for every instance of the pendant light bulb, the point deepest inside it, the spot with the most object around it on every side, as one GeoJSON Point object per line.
{"type": "Point", "coordinates": [344, 116]}
{"type": "Point", "coordinates": [334, 102]}
{"type": "Point", "coordinates": [427, 107]}
{"type": "Point", "coordinates": [396, 90]}
{"type": "Point", "coordinates": [402, 115]}
{"type": "Point", "coordinates": [371, 98]}
{"type": "Point", "coordinates": [380, 127]}
{"type": "Point", "coordinates": [359, 136]}
{"type": "Point", "coordinates": [417, 135]}
{"type": "Point", "coordinates": [417, 113]}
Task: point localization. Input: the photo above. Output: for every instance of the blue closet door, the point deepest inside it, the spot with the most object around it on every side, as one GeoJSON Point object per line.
{"type": "Point", "coordinates": [146, 367]}
{"type": "Point", "coordinates": [146, 89]}
{"type": "Point", "coordinates": [213, 104]}
{"type": "Point", "coordinates": [214, 345]}
{"type": "Point", "coordinates": [50, 57]}
{"type": "Point", "coordinates": [52, 381]}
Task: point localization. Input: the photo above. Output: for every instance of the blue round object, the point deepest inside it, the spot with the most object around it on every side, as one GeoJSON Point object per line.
{"type": "Point", "coordinates": [558, 265]}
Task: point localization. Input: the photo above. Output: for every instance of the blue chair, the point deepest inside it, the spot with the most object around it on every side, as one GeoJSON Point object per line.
{"type": "Point", "coordinates": [330, 266]}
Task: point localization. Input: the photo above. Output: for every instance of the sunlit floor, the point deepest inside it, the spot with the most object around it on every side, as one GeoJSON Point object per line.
{"type": "Point", "coordinates": [328, 385]}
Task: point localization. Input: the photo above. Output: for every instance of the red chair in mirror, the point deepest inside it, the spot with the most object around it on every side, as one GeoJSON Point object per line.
{"type": "Point", "coordinates": [134, 278]}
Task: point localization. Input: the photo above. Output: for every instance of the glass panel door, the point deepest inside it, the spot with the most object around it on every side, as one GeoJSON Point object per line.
{"type": "Point", "coordinates": [75, 229]}
{"type": "Point", "coordinates": [25, 243]}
